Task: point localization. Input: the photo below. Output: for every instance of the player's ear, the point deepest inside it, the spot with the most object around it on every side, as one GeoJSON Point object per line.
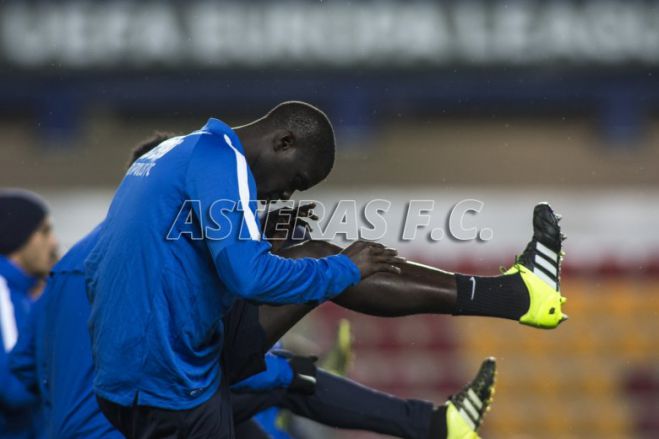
{"type": "Point", "coordinates": [283, 140]}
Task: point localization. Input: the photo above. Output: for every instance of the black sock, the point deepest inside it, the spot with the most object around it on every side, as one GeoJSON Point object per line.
{"type": "Point", "coordinates": [501, 296]}
{"type": "Point", "coordinates": [438, 427]}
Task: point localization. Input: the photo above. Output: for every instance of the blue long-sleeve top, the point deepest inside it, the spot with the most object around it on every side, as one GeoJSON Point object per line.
{"type": "Point", "coordinates": [20, 416]}
{"type": "Point", "coordinates": [53, 353]}
{"type": "Point", "coordinates": [180, 243]}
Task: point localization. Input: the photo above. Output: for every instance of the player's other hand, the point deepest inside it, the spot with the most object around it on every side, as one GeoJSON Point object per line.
{"type": "Point", "coordinates": [280, 224]}
{"type": "Point", "coordinates": [371, 257]}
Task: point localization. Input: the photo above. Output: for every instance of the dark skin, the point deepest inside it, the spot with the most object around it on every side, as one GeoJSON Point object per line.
{"type": "Point", "coordinates": [418, 289]}
{"type": "Point", "coordinates": [279, 224]}
{"type": "Point", "coordinates": [278, 163]}
{"type": "Point", "coordinates": [390, 286]}
{"type": "Point", "coordinates": [412, 288]}
{"type": "Point", "coordinates": [399, 288]}
{"type": "Point", "coordinates": [280, 167]}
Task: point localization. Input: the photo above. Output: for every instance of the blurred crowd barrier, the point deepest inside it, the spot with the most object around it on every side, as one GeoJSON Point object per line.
{"type": "Point", "coordinates": [470, 228]}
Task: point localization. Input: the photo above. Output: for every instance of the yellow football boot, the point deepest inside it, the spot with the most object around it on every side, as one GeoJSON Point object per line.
{"type": "Point", "coordinates": [540, 269]}
{"type": "Point", "coordinates": [465, 410]}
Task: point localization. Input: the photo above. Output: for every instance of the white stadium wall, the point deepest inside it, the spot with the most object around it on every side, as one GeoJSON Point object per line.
{"type": "Point", "coordinates": [613, 228]}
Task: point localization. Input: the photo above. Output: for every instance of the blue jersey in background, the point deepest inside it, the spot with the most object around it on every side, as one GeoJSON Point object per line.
{"type": "Point", "coordinates": [20, 416]}
{"type": "Point", "coordinates": [53, 353]}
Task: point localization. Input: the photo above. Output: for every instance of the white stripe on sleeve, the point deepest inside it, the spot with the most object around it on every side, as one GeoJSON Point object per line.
{"type": "Point", "coordinates": [243, 190]}
{"type": "Point", "coordinates": [7, 317]}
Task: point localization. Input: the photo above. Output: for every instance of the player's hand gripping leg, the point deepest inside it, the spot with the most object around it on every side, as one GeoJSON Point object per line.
{"type": "Point", "coordinates": [372, 257]}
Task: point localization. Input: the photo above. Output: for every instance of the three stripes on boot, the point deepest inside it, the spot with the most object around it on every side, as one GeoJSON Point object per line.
{"type": "Point", "coordinates": [471, 409]}
{"type": "Point", "coordinates": [546, 264]}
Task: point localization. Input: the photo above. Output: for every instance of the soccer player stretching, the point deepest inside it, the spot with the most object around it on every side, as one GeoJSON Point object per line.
{"type": "Point", "coordinates": [182, 242]}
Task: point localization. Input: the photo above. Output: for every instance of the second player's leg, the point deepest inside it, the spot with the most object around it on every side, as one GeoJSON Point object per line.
{"type": "Point", "coordinates": [341, 403]}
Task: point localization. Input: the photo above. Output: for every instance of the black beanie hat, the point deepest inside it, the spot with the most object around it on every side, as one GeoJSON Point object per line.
{"type": "Point", "coordinates": [21, 213]}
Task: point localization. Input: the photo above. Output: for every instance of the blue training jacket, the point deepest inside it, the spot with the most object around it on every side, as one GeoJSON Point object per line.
{"type": "Point", "coordinates": [20, 416]}
{"type": "Point", "coordinates": [53, 353]}
{"type": "Point", "coordinates": [173, 256]}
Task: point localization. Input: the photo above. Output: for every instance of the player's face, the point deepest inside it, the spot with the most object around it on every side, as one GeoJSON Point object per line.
{"type": "Point", "coordinates": [40, 253]}
{"type": "Point", "coordinates": [289, 171]}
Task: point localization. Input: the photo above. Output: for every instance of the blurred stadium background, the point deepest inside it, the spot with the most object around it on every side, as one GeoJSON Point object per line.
{"type": "Point", "coordinates": [506, 102]}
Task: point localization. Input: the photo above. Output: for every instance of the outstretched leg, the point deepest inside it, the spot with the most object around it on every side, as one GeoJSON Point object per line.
{"type": "Point", "coordinates": [341, 403]}
{"type": "Point", "coordinates": [528, 292]}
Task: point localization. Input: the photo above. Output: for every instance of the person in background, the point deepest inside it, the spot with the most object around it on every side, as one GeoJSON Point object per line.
{"type": "Point", "coordinates": [28, 250]}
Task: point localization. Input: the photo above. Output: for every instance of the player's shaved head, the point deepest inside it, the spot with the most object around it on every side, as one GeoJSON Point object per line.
{"type": "Point", "coordinates": [311, 127]}
{"type": "Point", "coordinates": [291, 148]}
